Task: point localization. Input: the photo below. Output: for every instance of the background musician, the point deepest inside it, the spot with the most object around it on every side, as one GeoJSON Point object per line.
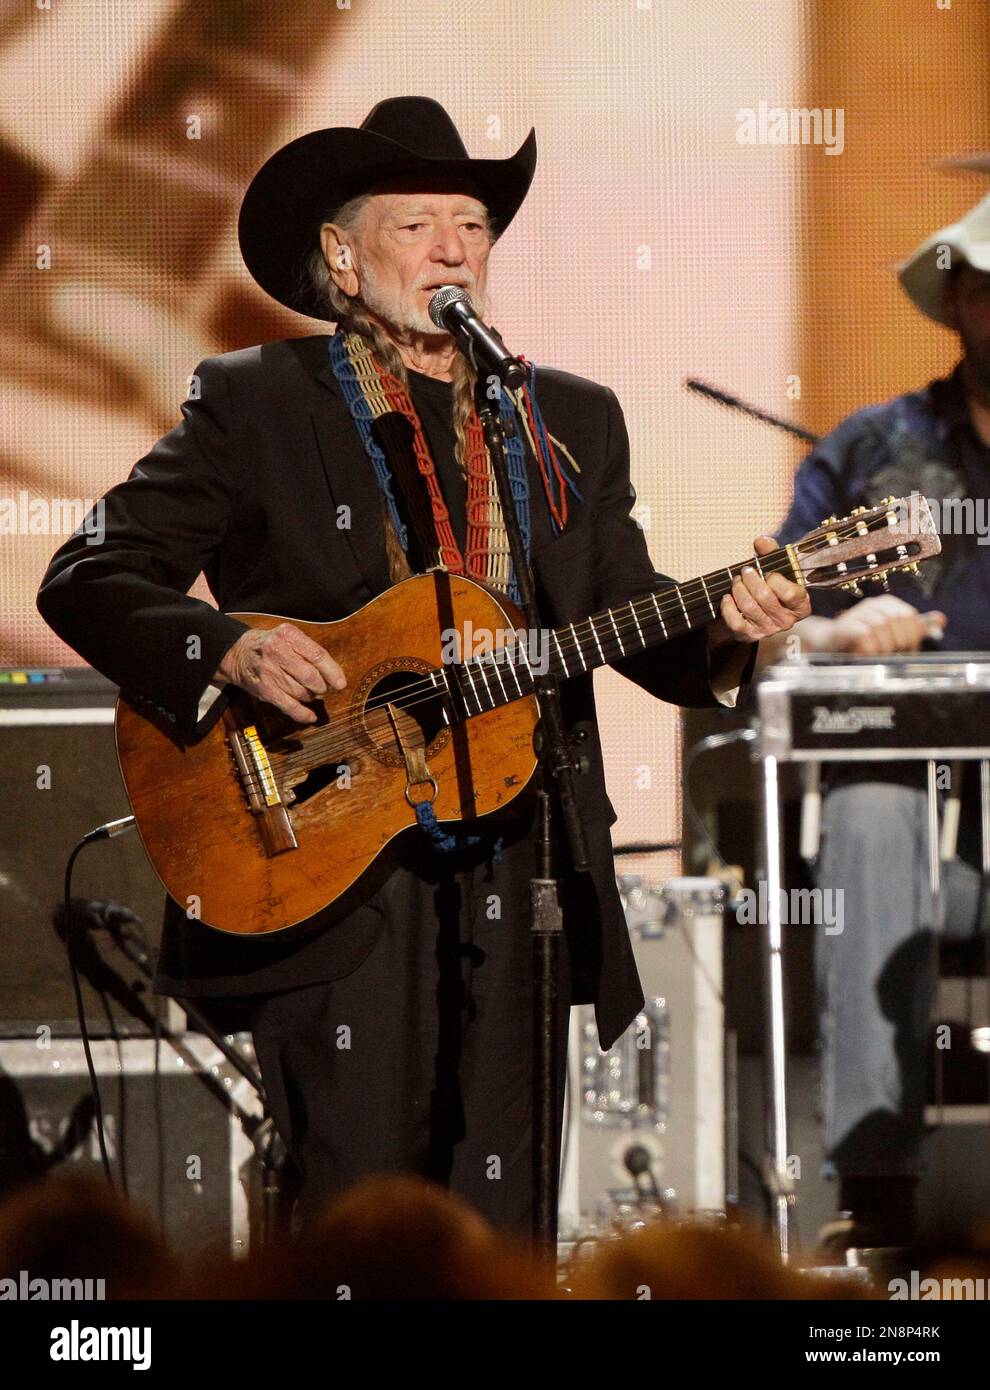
{"type": "Point", "coordinates": [877, 976]}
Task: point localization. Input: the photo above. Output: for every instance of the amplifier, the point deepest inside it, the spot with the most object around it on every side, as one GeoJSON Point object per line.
{"type": "Point", "coordinates": [58, 779]}
{"type": "Point", "coordinates": [178, 1130]}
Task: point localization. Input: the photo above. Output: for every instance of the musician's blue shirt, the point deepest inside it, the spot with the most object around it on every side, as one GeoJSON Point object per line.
{"type": "Point", "coordinates": [920, 442]}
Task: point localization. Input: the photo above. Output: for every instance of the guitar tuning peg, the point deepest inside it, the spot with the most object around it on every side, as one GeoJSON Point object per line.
{"type": "Point", "coordinates": [880, 579]}
{"type": "Point", "coordinates": [829, 520]}
{"type": "Point", "coordinates": [852, 588]}
{"type": "Point", "coordinates": [856, 511]}
{"type": "Point", "coordinates": [913, 569]}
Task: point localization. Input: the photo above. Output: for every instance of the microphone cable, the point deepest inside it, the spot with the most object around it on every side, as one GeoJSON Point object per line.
{"type": "Point", "coordinates": [104, 832]}
{"type": "Point", "coordinates": [71, 928]}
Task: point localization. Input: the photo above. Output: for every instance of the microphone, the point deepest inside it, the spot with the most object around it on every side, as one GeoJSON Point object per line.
{"type": "Point", "coordinates": [640, 1157]}
{"type": "Point", "coordinates": [124, 926]}
{"type": "Point", "coordinates": [110, 916]}
{"type": "Point", "coordinates": [77, 928]}
{"type": "Point", "coordinates": [450, 308]}
{"type": "Point", "coordinates": [96, 914]}
{"type": "Point", "coordinates": [639, 1164]}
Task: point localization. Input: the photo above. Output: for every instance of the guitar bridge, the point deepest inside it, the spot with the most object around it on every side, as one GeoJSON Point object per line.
{"type": "Point", "coordinates": [254, 771]}
{"type": "Point", "coordinates": [262, 779]}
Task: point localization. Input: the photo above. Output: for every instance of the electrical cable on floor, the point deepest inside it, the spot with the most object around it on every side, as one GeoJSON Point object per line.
{"type": "Point", "coordinates": [71, 927]}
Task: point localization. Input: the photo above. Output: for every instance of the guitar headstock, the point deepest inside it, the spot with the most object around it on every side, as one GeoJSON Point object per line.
{"type": "Point", "coordinates": [868, 544]}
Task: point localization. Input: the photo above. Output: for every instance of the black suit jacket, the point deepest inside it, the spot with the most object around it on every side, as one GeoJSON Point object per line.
{"type": "Point", "coordinates": [265, 487]}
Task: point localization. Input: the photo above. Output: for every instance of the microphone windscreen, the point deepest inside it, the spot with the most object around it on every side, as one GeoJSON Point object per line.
{"type": "Point", "coordinates": [445, 295]}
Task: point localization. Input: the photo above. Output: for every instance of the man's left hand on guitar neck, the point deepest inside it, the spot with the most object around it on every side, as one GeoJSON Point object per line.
{"type": "Point", "coordinates": [757, 607]}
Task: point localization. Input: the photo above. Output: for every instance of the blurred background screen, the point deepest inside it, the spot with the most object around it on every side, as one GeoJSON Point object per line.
{"type": "Point", "coordinates": [655, 243]}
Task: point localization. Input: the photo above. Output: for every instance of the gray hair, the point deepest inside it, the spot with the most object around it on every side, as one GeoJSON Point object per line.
{"type": "Point", "coordinates": [342, 307]}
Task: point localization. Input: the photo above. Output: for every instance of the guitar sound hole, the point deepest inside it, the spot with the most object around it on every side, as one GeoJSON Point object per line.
{"type": "Point", "coordinates": [415, 708]}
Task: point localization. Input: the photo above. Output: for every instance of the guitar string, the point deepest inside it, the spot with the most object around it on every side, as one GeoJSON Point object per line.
{"type": "Point", "coordinates": [322, 741]}
{"type": "Point", "coordinates": [775, 562]}
{"type": "Point", "coordinates": [585, 630]}
{"type": "Point", "coordinates": [575, 644]}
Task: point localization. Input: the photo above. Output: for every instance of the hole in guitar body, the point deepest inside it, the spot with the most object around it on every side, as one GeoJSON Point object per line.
{"type": "Point", "coordinates": [318, 779]}
{"type": "Point", "coordinates": [403, 706]}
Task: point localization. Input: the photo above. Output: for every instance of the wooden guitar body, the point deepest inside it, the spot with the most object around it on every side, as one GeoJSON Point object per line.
{"type": "Point", "coordinates": [263, 822]}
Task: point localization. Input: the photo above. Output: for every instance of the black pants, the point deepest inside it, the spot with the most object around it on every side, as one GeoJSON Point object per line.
{"type": "Point", "coordinates": [421, 1059]}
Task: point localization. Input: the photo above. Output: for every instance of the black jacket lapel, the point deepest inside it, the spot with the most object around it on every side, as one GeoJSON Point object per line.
{"type": "Point", "coordinates": [350, 478]}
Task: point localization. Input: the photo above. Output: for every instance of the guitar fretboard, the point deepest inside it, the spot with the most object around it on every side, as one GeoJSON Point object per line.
{"type": "Point", "coordinates": [485, 682]}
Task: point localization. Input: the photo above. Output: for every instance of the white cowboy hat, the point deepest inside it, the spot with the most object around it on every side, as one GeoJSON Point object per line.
{"type": "Point", "coordinates": [924, 275]}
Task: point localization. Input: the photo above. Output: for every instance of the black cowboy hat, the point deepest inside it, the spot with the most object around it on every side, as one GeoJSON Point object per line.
{"type": "Point", "coordinates": [295, 190]}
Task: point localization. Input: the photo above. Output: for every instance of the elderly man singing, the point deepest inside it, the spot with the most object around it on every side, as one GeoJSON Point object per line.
{"type": "Point", "coordinates": [307, 477]}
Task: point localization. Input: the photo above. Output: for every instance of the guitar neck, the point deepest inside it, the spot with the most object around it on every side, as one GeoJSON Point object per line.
{"type": "Point", "coordinates": [487, 681]}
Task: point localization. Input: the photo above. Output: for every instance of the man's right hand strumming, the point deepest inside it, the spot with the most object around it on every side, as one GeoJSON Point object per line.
{"type": "Point", "coordinates": [283, 666]}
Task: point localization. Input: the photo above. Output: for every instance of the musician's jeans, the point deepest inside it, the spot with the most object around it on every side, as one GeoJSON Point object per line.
{"type": "Point", "coordinates": [877, 976]}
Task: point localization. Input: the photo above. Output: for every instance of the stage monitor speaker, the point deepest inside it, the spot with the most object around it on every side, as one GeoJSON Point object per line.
{"type": "Point", "coordinates": [178, 1134]}
{"type": "Point", "coordinates": [59, 779]}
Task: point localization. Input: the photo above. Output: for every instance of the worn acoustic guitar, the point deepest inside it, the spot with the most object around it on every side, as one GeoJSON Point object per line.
{"type": "Point", "coordinates": [263, 822]}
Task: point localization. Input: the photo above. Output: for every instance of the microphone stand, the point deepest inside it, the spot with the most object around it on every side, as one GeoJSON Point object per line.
{"type": "Point", "coordinates": [556, 769]}
{"type": "Point", "coordinates": [270, 1152]}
